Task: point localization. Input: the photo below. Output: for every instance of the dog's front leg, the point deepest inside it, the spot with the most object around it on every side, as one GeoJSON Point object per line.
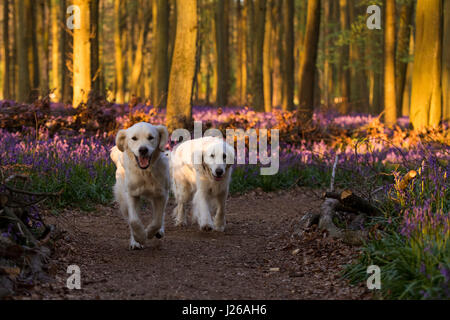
{"type": "Point", "coordinates": [219, 219]}
{"type": "Point", "coordinates": [201, 211]}
{"type": "Point", "coordinates": [156, 228]}
{"type": "Point", "coordinates": [137, 229]}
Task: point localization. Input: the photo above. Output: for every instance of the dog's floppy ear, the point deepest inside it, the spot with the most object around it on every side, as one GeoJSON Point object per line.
{"type": "Point", "coordinates": [163, 137]}
{"type": "Point", "coordinates": [120, 140]}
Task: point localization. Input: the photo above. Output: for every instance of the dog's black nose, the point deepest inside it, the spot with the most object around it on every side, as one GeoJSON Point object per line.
{"type": "Point", "coordinates": [143, 151]}
{"type": "Point", "coordinates": [219, 172]}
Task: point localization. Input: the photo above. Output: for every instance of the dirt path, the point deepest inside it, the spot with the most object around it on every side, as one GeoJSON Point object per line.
{"type": "Point", "coordinates": [189, 264]}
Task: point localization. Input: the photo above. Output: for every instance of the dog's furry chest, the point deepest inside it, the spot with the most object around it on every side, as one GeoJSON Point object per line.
{"type": "Point", "coordinates": [145, 185]}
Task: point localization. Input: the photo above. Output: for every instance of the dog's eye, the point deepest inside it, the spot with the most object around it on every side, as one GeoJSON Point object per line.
{"type": "Point", "coordinates": [150, 138]}
{"type": "Point", "coordinates": [212, 156]}
{"type": "Point", "coordinates": [134, 138]}
{"type": "Point", "coordinates": [224, 157]}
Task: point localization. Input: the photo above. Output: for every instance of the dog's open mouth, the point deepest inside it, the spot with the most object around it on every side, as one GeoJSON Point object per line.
{"type": "Point", "coordinates": [143, 162]}
{"type": "Point", "coordinates": [218, 178]}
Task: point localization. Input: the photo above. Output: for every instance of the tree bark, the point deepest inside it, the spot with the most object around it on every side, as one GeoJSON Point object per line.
{"type": "Point", "coordinates": [241, 81]}
{"type": "Point", "coordinates": [179, 103]}
{"type": "Point", "coordinates": [344, 73]}
{"type": "Point", "coordinates": [118, 47]}
{"type": "Point", "coordinates": [426, 95]}
{"type": "Point", "coordinates": [160, 47]}
{"type": "Point", "coordinates": [81, 56]}
{"type": "Point", "coordinates": [222, 51]}
{"type": "Point", "coordinates": [390, 108]}
{"type": "Point", "coordinates": [308, 63]}
{"type": "Point", "coordinates": [6, 66]}
{"type": "Point", "coordinates": [95, 48]}
{"type": "Point", "coordinates": [267, 58]}
{"type": "Point", "coordinates": [446, 62]}
{"type": "Point", "coordinates": [43, 44]}
{"type": "Point", "coordinates": [56, 85]}
{"type": "Point", "coordinates": [404, 30]}
{"type": "Point", "coordinates": [257, 94]}
{"type": "Point", "coordinates": [288, 54]}
{"type": "Point", "coordinates": [23, 81]}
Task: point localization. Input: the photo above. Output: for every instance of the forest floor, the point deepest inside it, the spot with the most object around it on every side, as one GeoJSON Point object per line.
{"type": "Point", "coordinates": [255, 258]}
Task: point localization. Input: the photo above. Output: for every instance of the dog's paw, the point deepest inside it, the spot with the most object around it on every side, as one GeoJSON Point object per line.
{"type": "Point", "coordinates": [206, 227]}
{"type": "Point", "coordinates": [219, 228]}
{"type": "Point", "coordinates": [138, 232]}
{"type": "Point", "coordinates": [135, 245]}
{"type": "Point", "coordinates": [180, 222]}
{"type": "Point", "coordinates": [153, 231]}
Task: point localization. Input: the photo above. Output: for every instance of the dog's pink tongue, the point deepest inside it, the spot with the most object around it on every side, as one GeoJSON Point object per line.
{"type": "Point", "coordinates": [143, 161]}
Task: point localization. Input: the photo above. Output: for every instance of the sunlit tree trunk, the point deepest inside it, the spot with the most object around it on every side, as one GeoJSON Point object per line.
{"type": "Point", "coordinates": [426, 95]}
{"type": "Point", "coordinates": [56, 84]}
{"type": "Point", "coordinates": [32, 41]}
{"type": "Point", "coordinates": [288, 54]}
{"type": "Point", "coordinates": [23, 81]}
{"type": "Point", "coordinates": [81, 56]}
{"type": "Point", "coordinates": [241, 81]}
{"type": "Point", "coordinates": [404, 30]}
{"type": "Point", "coordinates": [308, 63]}
{"type": "Point", "coordinates": [390, 108]}
{"type": "Point", "coordinates": [160, 47]}
{"type": "Point", "coordinates": [144, 18]}
{"type": "Point", "coordinates": [327, 76]}
{"type": "Point", "coordinates": [222, 50]}
{"type": "Point", "coordinates": [278, 61]}
{"type": "Point", "coordinates": [6, 52]}
{"type": "Point", "coordinates": [344, 73]}
{"type": "Point", "coordinates": [267, 58]}
{"type": "Point", "coordinates": [179, 103]}
{"type": "Point", "coordinates": [118, 53]}
{"type": "Point", "coordinates": [446, 61]}
{"type": "Point", "coordinates": [66, 56]}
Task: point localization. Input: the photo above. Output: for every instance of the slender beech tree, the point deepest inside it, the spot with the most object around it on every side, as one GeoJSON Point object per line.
{"type": "Point", "coordinates": [241, 81]}
{"type": "Point", "coordinates": [288, 54]}
{"type": "Point", "coordinates": [56, 82]}
{"type": "Point", "coordinates": [43, 45]}
{"type": "Point", "coordinates": [6, 52]}
{"type": "Point", "coordinates": [426, 94]}
{"type": "Point", "coordinates": [222, 9]}
{"type": "Point", "coordinates": [23, 80]}
{"type": "Point", "coordinates": [257, 35]}
{"type": "Point", "coordinates": [182, 72]}
{"type": "Point", "coordinates": [308, 62]}
{"type": "Point", "coordinates": [267, 58]}
{"type": "Point", "coordinates": [81, 56]}
{"type": "Point", "coordinates": [446, 62]}
{"type": "Point", "coordinates": [344, 72]}
{"type": "Point", "coordinates": [95, 48]}
{"type": "Point", "coordinates": [160, 46]}
{"type": "Point", "coordinates": [118, 52]}
{"type": "Point", "coordinates": [402, 52]}
{"type": "Point", "coordinates": [390, 109]}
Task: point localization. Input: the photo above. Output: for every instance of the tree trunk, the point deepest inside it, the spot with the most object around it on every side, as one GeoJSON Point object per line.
{"type": "Point", "coordinates": [179, 103]}
{"type": "Point", "coordinates": [56, 85]}
{"type": "Point", "coordinates": [288, 54]}
{"type": "Point", "coordinates": [404, 30]}
{"type": "Point", "coordinates": [222, 50]}
{"type": "Point", "coordinates": [81, 56]}
{"type": "Point", "coordinates": [426, 95]}
{"type": "Point", "coordinates": [6, 66]}
{"type": "Point", "coordinates": [160, 47]}
{"type": "Point", "coordinates": [390, 109]}
{"type": "Point", "coordinates": [308, 63]}
{"type": "Point", "coordinates": [43, 43]}
{"type": "Point", "coordinates": [23, 81]}
{"type": "Point", "coordinates": [95, 49]}
{"type": "Point", "coordinates": [118, 47]}
{"type": "Point", "coordinates": [144, 18]}
{"type": "Point", "coordinates": [241, 81]}
{"type": "Point", "coordinates": [66, 56]}
{"type": "Point", "coordinates": [278, 61]}
{"type": "Point", "coordinates": [344, 73]}
{"type": "Point", "coordinates": [257, 94]}
{"type": "Point", "coordinates": [327, 75]}
{"type": "Point", "coordinates": [446, 62]}
{"type": "Point", "coordinates": [33, 56]}
{"type": "Point", "coordinates": [267, 58]}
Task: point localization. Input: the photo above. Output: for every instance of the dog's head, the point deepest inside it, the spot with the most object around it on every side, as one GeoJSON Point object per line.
{"type": "Point", "coordinates": [217, 159]}
{"type": "Point", "coordinates": [142, 142]}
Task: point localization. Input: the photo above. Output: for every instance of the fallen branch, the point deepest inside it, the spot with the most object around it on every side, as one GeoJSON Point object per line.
{"type": "Point", "coordinates": [406, 180]}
